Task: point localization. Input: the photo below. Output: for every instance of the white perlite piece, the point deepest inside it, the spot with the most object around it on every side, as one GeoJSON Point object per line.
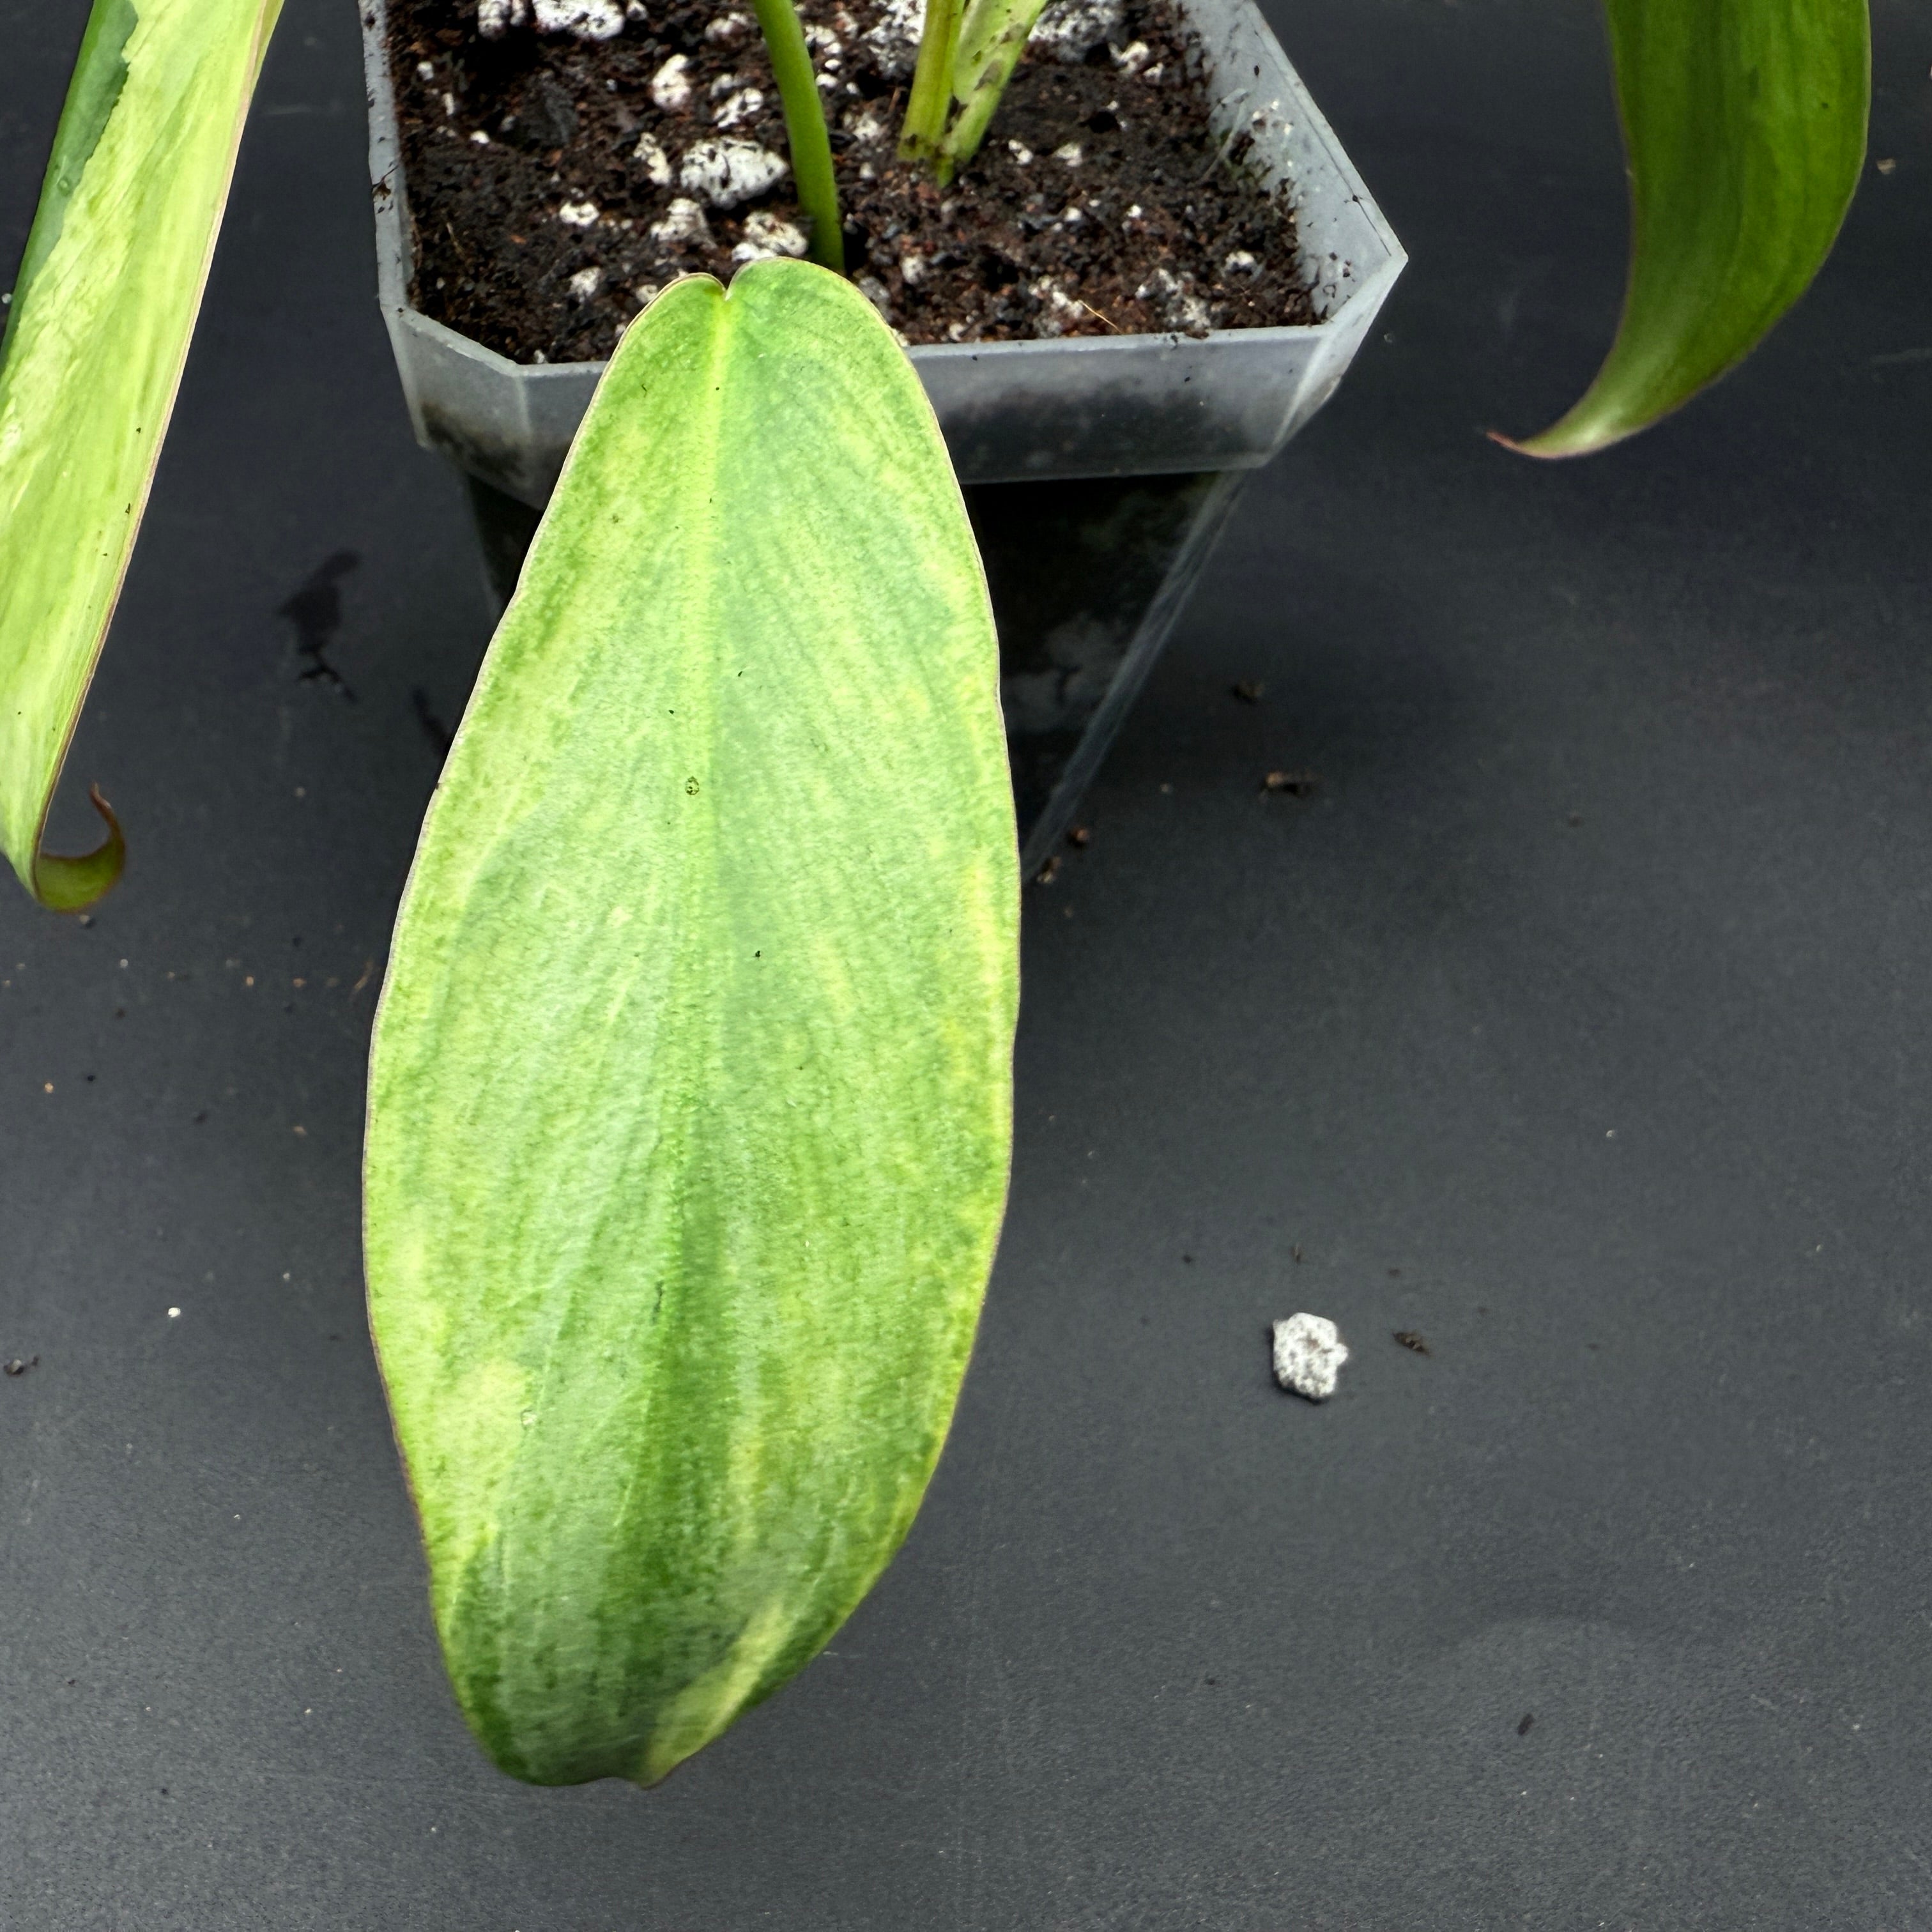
{"type": "Point", "coordinates": [1173, 299]}
{"type": "Point", "coordinates": [726, 172]}
{"type": "Point", "coordinates": [868, 126]}
{"type": "Point", "coordinates": [1308, 1355]}
{"type": "Point", "coordinates": [588, 19]}
{"type": "Point", "coordinates": [767, 235]}
{"type": "Point", "coordinates": [1057, 308]}
{"type": "Point", "coordinates": [895, 40]}
{"type": "Point", "coordinates": [743, 105]}
{"type": "Point", "coordinates": [684, 221]}
{"type": "Point", "coordinates": [1070, 30]}
{"type": "Point", "coordinates": [585, 283]}
{"type": "Point", "coordinates": [670, 86]}
{"type": "Point", "coordinates": [578, 214]}
{"type": "Point", "coordinates": [649, 155]}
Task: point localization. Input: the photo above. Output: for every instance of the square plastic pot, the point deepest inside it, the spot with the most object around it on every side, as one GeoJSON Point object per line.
{"type": "Point", "coordinates": [1098, 470]}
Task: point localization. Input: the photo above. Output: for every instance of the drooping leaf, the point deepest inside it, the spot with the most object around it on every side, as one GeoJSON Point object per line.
{"type": "Point", "coordinates": [1744, 131]}
{"type": "Point", "coordinates": [690, 1100]}
{"type": "Point", "coordinates": [97, 334]}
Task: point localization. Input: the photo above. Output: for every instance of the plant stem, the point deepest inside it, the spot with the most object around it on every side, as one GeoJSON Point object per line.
{"type": "Point", "coordinates": [805, 130]}
{"type": "Point", "coordinates": [995, 37]}
{"type": "Point", "coordinates": [923, 132]}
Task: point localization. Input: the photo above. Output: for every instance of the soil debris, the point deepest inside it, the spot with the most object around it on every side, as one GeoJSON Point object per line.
{"type": "Point", "coordinates": [1295, 785]}
{"type": "Point", "coordinates": [1411, 1341]}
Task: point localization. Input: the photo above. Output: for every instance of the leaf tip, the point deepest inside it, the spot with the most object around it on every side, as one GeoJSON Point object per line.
{"type": "Point", "coordinates": [63, 883]}
{"type": "Point", "coordinates": [1558, 441]}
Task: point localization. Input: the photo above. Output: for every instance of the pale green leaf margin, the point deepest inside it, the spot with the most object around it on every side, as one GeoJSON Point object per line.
{"type": "Point", "coordinates": [691, 1091]}
{"type": "Point", "coordinates": [1744, 133]}
{"type": "Point", "coordinates": [97, 334]}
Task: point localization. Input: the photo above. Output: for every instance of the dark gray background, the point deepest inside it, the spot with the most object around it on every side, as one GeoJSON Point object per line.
{"type": "Point", "coordinates": [1591, 993]}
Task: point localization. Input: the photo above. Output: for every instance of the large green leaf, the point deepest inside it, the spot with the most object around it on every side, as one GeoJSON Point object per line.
{"type": "Point", "coordinates": [97, 334]}
{"type": "Point", "coordinates": [1744, 128]}
{"type": "Point", "coordinates": [690, 1098]}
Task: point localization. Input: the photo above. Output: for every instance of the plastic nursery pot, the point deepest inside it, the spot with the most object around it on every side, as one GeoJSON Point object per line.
{"type": "Point", "coordinates": [1098, 470]}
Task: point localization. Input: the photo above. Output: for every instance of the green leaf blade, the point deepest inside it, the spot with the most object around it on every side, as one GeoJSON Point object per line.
{"type": "Point", "coordinates": [96, 335]}
{"type": "Point", "coordinates": [690, 1099]}
{"type": "Point", "coordinates": [1744, 131]}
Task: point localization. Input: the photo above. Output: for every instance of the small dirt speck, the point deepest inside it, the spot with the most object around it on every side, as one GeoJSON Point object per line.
{"type": "Point", "coordinates": [1296, 785]}
{"type": "Point", "coordinates": [1411, 1341]}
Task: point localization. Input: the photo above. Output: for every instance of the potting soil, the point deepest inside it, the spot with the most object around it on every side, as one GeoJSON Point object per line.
{"type": "Point", "coordinates": [557, 179]}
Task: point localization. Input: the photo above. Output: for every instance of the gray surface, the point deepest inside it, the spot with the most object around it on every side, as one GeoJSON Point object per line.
{"type": "Point", "coordinates": [1166, 1649]}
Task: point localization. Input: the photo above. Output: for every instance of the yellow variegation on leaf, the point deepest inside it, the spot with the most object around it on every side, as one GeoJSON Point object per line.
{"type": "Point", "coordinates": [690, 1097]}
{"type": "Point", "coordinates": [97, 334]}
